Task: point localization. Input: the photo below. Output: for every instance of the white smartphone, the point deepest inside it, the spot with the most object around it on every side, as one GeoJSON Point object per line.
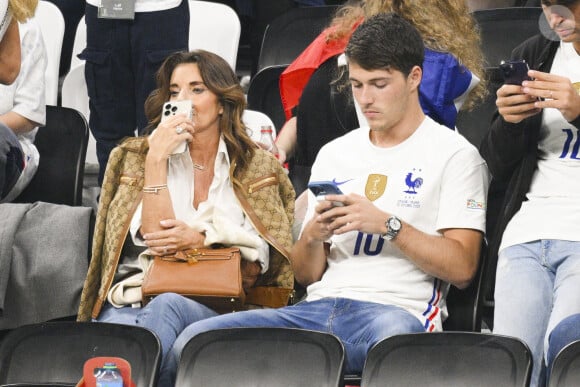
{"type": "Point", "coordinates": [172, 108]}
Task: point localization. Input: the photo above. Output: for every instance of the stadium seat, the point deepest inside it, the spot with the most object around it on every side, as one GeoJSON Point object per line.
{"type": "Point", "coordinates": [264, 94]}
{"type": "Point", "coordinates": [51, 23]}
{"type": "Point", "coordinates": [214, 27]}
{"type": "Point", "coordinates": [254, 120]}
{"type": "Point", "coordinates": [448, 359]}
{"type": "Point", "coordinates": [502, 29]}
{"type": "Point", "coordinates": [272, 357]}
{"type": "Point", "coordinates": [62, 145]}
{"type": "Point", "coordinates": [566, 367]}
{"type": "Point", "coordinates": [54, 353]}
{"type": "Point", "coordinates": [290, 33]}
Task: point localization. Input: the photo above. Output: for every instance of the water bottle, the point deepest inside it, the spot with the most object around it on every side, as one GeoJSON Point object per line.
{"type": "Point", "coordinates": [267, 140]}
{"type": "Point", "coordinates": [109, 376]}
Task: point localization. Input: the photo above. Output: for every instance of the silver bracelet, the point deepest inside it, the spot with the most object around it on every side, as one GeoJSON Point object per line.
{"type": "Point", "coordinates": [154, 189]}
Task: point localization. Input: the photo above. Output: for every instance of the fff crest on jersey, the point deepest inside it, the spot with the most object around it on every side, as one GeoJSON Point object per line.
{"type": "Point", "coordinates": [376, 185]}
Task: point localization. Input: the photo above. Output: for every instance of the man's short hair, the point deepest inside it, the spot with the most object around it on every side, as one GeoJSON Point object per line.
{"type": "Point", "coordinates": [386, 41]}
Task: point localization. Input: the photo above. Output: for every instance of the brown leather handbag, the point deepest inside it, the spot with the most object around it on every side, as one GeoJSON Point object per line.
{"type": "Point", "coordinates": [210, 276]}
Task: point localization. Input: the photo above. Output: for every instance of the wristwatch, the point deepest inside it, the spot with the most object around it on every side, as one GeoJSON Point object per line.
{"type": "Point", "coordinates": [394, 225]}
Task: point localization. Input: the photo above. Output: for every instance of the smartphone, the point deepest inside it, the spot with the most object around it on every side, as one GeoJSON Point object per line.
{"type": "Point", "coordinates": [514, 72]}
{"type": "Point", "coordinates": [322, 188]}
{"type": "Point", "coordinates": [172, 108]}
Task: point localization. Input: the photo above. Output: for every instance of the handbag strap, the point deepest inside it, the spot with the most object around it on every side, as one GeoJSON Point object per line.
{"type": "Point", "coordinates": [258, 223]}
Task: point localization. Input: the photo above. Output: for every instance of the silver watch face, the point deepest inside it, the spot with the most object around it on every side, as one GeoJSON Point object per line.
{"type": "Point", "coordinates": [394, 224]}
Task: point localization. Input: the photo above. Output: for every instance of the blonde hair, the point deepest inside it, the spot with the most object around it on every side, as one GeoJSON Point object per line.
{"type": "Point", "coordinates": [23, 9]}
{"type": "Point", "coordinates": [444, 25]}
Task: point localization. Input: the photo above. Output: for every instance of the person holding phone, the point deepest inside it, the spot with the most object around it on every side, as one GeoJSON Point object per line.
{"type": "Point", "coordinates": [532, 152]}
{"type": "Point", "coordinates": [411, 222]}
{"type": "Point", "coordinates": [160, 202]}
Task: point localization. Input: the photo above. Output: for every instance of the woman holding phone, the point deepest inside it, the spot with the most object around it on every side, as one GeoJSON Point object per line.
{"type": "Point", "coordinates": [160, 202]}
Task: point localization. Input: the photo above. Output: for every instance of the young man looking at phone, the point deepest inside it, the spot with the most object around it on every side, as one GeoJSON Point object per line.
{"type": "Point", "coordinates": [412, 218]}
{"type": "Point", "coordinates": [532, 152]}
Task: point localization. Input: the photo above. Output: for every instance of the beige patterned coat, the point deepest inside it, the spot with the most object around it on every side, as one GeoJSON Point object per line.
{"type": "Point", "coordinates": [264, 187]}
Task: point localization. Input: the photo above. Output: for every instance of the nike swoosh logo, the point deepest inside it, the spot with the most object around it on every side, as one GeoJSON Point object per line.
{"type": "Point", "coordinates": [340, 182]}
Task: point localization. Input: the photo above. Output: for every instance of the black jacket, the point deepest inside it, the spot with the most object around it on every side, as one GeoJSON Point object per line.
{"type": "Point", "coordinates": [511, 153]}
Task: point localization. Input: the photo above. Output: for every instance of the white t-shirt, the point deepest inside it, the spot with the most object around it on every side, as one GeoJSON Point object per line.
{"type": "Point", "coordinates": [147, 5]}
{"type": "Point", "coordinates": [26, 96]}
{"type": "Point", "coordinates": [434, 180]}
{"type": "Point", "coordinates": [552, 210]}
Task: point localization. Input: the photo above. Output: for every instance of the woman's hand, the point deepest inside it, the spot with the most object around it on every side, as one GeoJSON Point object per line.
{"type": "Point", "coordinates": [169, 135]}
{"type": "Point", "coordinates": [554, 91]}
{"type": "Point", "coordinates": [175, 236]}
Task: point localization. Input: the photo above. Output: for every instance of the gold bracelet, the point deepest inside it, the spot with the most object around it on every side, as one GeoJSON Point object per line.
{"type": "Point", "coordinates": [154, 189]}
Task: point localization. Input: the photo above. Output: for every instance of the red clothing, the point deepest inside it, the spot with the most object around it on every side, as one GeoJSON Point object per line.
{"type": "Point", "coordinates": [296, 76]}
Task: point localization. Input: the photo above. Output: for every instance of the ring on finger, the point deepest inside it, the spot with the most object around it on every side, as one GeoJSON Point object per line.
{"type": "Point", "coordinates": [178, 129]}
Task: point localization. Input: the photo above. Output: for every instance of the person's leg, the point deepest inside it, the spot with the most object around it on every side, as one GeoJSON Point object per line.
{"type": "Point", "coordinates": [305, 315]}
{"type": "Point", "coordinates": [11, 160]}
{"type": "Point", "coordinates": [168, 315]}
{"type": "Point", "coordinates": [125, 315]}
{"type": "Point", "coordinates": [523, 299]}
{"type": "Point", "coordinates": [360, 325]}
{"type": "Point", "coordinates": [566, 332]}
{"type": "Point", "coordinates": [110, 83]}
{"type": "Point", "coordinates": [564, 258]}
{"type": "Point", "coordinates": [149, 48]}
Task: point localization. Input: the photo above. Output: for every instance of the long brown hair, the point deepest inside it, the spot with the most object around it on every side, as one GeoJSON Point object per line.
{"type": "Point", "coordinates": [445, 25]}
{"type": "Point", "coordinates": [220, 79]}
{"type": "Point", "coordinates": [23, 9]}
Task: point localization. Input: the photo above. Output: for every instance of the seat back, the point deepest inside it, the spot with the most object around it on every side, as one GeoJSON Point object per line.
{"type": "Point", "coordinates": [261, 357]}
{"type": "Point", "coordinates": [254, 120]}
{"type": "Point", "coordinates": [290, 33]}
{"type": "Point", "coordinates": [566, 367]}
{"type": "Point", "coordinates": [62, 145]}
{"type": "Point", "coordinates": [76, 96]}
{"type": "Point", "coordinates": [214, 27]}
{"type": "Point", "coordinates": [51, 23]}
{"type": "Point", "coordinates": [56, 352]}
{"type": "Point", "coordinates": [475, 123]}
{"type": "Point", "coordinates": [448, 359]}
{"type": "Point", "coordinates": [79, 43]}
{"type": "Point", "coordinates": [264, 94]}
{"type": "Point", "coordinates": [502, 29]}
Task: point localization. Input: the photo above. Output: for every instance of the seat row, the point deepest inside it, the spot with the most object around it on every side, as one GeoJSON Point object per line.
{"type": "Point", "coordinates": [54, 354]}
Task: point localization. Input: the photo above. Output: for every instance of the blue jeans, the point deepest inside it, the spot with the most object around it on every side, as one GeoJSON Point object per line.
{"type": "Point", "coordinates": [537, 286]}
{"type": "Point", "coordinates": [359, 325]}
{"type": "Point", "coordinates": [567, 331]}
{"type": "Point", "coordinates": [166, 315]}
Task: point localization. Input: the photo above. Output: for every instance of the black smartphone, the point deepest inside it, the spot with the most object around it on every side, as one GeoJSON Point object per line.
{"type": "Point", "coordinates": [514, 72]}
{"type": "Point", "coordinates": [322, 188]}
